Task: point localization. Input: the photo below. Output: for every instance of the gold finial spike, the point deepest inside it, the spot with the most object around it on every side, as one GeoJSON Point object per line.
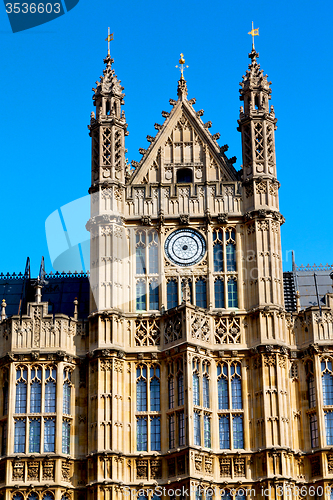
{"type": "Point", "coordinates": [182, 65]}
{"type": "Point", "coordinates": [109, 39]}
{"type": "Point", "coordinates": [254, 32]}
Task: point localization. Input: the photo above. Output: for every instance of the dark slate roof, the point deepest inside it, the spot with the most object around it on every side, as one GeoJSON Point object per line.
{"type": "Point", "coordinates": [59, 291]}
{"type": "Point", "coordinates": [312, 282]}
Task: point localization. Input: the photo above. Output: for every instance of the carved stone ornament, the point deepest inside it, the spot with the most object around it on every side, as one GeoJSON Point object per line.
{"type": "Point", "coordinates": [184, 219]}
{"type": "Point", "coordinates": [18, 471]}
{"type": "Point", "coordinates": [222, 218]}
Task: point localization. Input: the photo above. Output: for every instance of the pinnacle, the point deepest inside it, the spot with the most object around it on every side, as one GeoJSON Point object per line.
{"type": "Point", "coordinates": [109, 82]}
{"type": "Point", "coordinates": [182, 89]}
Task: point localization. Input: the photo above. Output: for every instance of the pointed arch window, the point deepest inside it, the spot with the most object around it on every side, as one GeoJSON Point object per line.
{"type": "Point", "coordinates": [21, 389]}
{"type": "Point", "coordinates": [180, 382]}
{"type": "Point", "coordinates": [327, 381]}
{"type": "Point", "coordinates": [222, 386]}
{"type": "Point", "coordinates": [236, 387]}
{"type": "Point", "coordinates": [205, 386]}
{"type": "Point", "coordinates": [153, 252]}
{"type": "Point", "coordinates": [141, 252]}
{"type": "Point", "coordinates": [172, 294]}
{"type": "Point", "coordinates": [172, 431]}
{"type": "Point", "coordinates": [33, 496]}
{"type": "Point", "coordinates": [196, 385]}
{"type": "Point", "coordinates": [218, 250]}
{"type": "Point", "coordinates": [311, 384]}
{"type": "Point", "coordinates": [50, 390]}
{"type": "Point", "coordinates": [230, 405]}
{"type": "Point", "coordinates": [67, 392]}
{"type": "Point", "coordinates": [155, 388]}
{"type": "Point", "coordinates": [231, 249]}
{"type": "Point", "coordinates": [141, 388]}
{"type": "Point", "coordinates": [171, 391]}
{"type": "Point", "coordinates": [329, 427]}
{"type": "Point", "coordinates": [201, 293]}
{"type": "Point", "coordinates": [35, 390]}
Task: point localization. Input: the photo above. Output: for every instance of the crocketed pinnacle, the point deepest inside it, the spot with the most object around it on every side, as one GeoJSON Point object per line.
{"type": "Point", "coordinates": [182, 89]}
{"type": "Point", "coordinates": [254, 77]}
{"type": "Point", "coordinates": [109, 83]}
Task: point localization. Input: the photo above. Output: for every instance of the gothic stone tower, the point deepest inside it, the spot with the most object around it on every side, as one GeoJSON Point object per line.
{"type": "Point", "coordinates": [192, 377]}
{"type": "Point", "coordinates": [188, 370]}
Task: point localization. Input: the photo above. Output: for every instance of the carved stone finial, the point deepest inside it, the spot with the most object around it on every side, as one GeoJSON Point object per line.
{"type": "Point", "coordinates": [182, 89]}
{"type": "Point", "coordinates": [76, 310]}
{"type": "Point", "coordinates": [186, 292]}
{"type": "Point", "coordinates": [3, 310]}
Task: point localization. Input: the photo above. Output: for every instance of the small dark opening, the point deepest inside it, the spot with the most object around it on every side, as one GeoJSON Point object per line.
{"type": "Point", "coordinates": [256, 102]}
{"type": "Point", "coordinates": [108, 108]}
{"type": "Point", "coordinates": [184, 175]}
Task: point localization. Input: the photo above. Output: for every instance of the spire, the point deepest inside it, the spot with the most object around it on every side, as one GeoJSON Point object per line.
{"type": "Point", "coordinates": [108, 128]}
{"type": "Point", "coordinates": [255, 89]}
{"type": "Point", "coordinates": [109, 83]}
{"type": "Point", "coordinates": [182, 87]}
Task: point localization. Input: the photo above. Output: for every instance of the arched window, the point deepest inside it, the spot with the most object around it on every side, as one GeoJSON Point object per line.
{"type": "Point", "coordinates": [153, 252]}
{"type": "Point", "coordinates": [327, 379]}
{"type": "Point", "coordinates": [17, 496]}
{"type": "Point", "coordinates": [50, 390]}
{"type": "Point", "coordinates": [231, 250]}
{"type": "Point", "coordinates": [232, 293]}
{"type": "Point", "coordinates": [218, 250]}
{"type": "Point", "coordinates": [184, 175]}
{"type": "Point", "coordinates": [21, 390]}
{"type": "Point", "coordinates": [201, 293]}
{"type": "Point", "coordinates": [196, 392]}
{"type": "Point", "coordinates": [141, 388]}
{"type": "Point", "coordinates": [171, 391]}
{"type": "Point", "coordinates": [180, 378]}
{"type": "Point", "coordinates": [33, 496]}
{"type": "Point", "coordinates": [155, 433]}
{"type": "Point", "coordinates": [311, 384]}
{"type": "Point", "coordinates": [222, 387]}
{"type": "Point", "coordinates": [36, 390]}
{"type": "Point", "coordinates": [67, 398]}
{"type": "Point", "coordinates": [205, 386]}
{"type": "Point", "coordinates": [172, 294]}
{"type": "Point", "coordinates": [155, 388]}
{"type": "Point", "coordinates": [49, 435]}
{"type": "Point", "coordinates": [236, 387]}
{"type": "Point", "coordinates": [49, 496]}
{"type": "Point", "coordinates": [219, 293]}
{"type": "Point", "coordinates": [141, 252]}
{"type": "Point", "coordinates": [141, 298]}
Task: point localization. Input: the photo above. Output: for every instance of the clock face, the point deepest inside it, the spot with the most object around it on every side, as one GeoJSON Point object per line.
{"type": "Point", "coordinates": [185, 247]}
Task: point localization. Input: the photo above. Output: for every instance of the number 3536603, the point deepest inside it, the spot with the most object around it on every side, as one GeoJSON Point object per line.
{"type": "Point", "coordinates": [32, 8]}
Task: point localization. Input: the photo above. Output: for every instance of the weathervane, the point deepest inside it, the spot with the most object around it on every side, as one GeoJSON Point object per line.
{"type": "Point", "coordinates": [254, 32]}
{"type": "Point", "coordinates": [109, 39]}
{"type": "Point", "coordinates": [182, 65]}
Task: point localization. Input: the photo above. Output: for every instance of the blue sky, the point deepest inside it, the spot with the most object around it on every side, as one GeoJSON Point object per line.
{"type": "Point", "coordinates": [48, 73]}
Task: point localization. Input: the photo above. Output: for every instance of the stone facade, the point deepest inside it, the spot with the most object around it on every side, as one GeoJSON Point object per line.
{"type": "Point", "coordinates": [189, 376]}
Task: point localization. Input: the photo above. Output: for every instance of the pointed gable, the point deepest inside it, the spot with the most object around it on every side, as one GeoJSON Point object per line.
{"type": "Point", "coordinates": [183, 142]}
